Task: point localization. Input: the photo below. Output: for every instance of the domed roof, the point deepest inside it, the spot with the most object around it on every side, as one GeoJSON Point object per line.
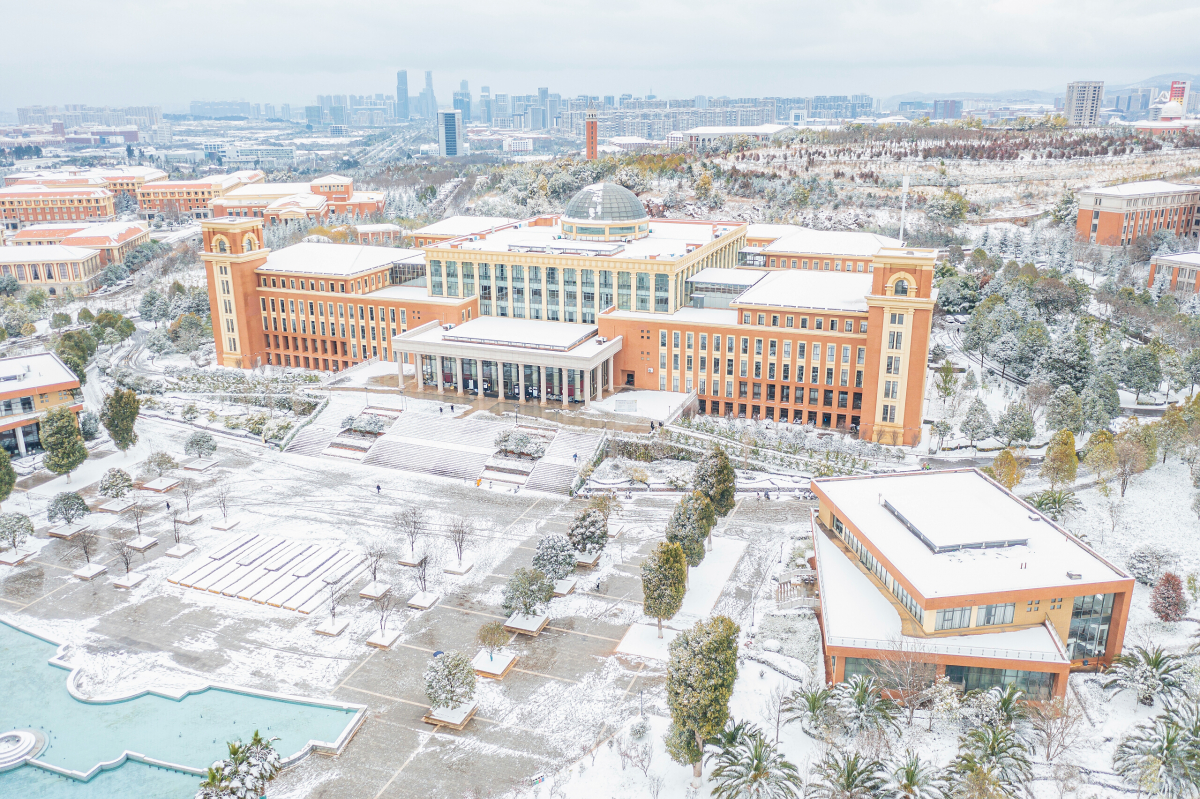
{"type": "Point", "coordinates": [605, 202]}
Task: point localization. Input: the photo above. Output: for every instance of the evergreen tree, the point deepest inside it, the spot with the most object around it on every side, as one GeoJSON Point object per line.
{"type": "Point", "coordinates": [977, 422]}
{"type": "Point", "coordinates": [589, 532]}
{"type": "Point", "coordinates": [716, 480]}
{"type": "Point", "coordinates": [1015, 424]}
{"type": "Point", "coordinates": [62, 441]}
{"type": "Point", "coordinates": [1105, 387]}
{"type": "Point", "coordinates": [449, 681]}
{"type": "Point", "coordinates": [200, 444]}
{"type": "Point", "coordinates": [67, 507]}
{"type": "Point", "coordinates": [1142, 371]}
{"type": "Point", "coordinates": [1007, 469]}
{"type": "Point", "coordinates": [970, 382]}
{"type": "Point", "coordinates": [1168, 601]}
{"type": "Point", "coordinates": [1061, 463]}
{"type": "Point", "coordinates": [1005, 351]}
{"type": "Point", "coordinates": [555, 557]}
{"type": "Point", "coordinates": [15, 528]}
{"type": "Point", "coordinates": [1110, 361]}
{"type": "Point", "coordinates": [1064, 411]}
{"type": "Point", "coordinates": [701, 672]}
{"type": "Point", "coordinates": [8, 475]}
{"type": "Point", "coordinates": [118, 416]}
{"type": "Point", "coordinates": [1191, 367]}
{"type": "Point", "coordinates": [1069, 361]}
{"type": "Point", "coordinates": [115, 484]}
{"type": "Point", "coordinates": [690, 523]}
{"type": "Point", "coordinates": [664, 581]}
{"type": "Point", "coordinates": [527, 592]}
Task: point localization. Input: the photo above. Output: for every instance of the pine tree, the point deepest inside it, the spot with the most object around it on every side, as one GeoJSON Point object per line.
{"type": "Point", "coordinates": [14, 529]}
{"type": "Point", "coordinates": [450, 681]}
{"type": "Point", "coordinates": [8, 475]}
{"type": "Point", "coordinates": [1015, 424]}
{"type": "Point", "coordinates": [61, 439]}
{"type": "Point", "coordinates": [664, 581]}
{"type": "Point", "coordinates": [555, 557]}
{"type": "Point", "coordinates": [701, 672]}
{"type": "Point", "coordinates": [690, 523]}
{"type": "Point", "coordinates": [200, 444]}
{"type": "Point", "coordinates": [589, 532]}
{"type": "Point", "coordinates": [115, 484]}
{"type": "Point", "coordinates": [527, 592]}
{"type": "Point", "coordinates": [66, 507]}
{"type": "Point", "coordinates": [1168, 600]}
{"type": "Point", "coordinates": [715, 478]}
{"type": "Point", "coordinates": [1069, 361]}
{"type": "Point", "coordinates": [1142, 371]}
{"type": "Point", "coordinates": [977, 422]}
{"type": "Point", "coordinates": [1064, 411]}
{"type": "Point", "coordinates": [1061, 463]}
{"type": "Point", "coordinates": [118, 416]}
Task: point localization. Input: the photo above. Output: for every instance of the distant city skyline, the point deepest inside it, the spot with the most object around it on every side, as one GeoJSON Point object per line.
{"type": "Point", "coordinates": [675, 49]}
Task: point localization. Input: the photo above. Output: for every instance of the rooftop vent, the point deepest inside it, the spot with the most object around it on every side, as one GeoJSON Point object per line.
{"type": "Point", "coordinates": [1074, 576]}
{"type": "Point", "coordinates": [956, 546]}
{"type": "Point", "coordinates": [697, 300]}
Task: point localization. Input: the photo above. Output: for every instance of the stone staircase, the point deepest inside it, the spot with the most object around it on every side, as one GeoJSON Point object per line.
{"type": "Point", "coordinates": [426, 459]}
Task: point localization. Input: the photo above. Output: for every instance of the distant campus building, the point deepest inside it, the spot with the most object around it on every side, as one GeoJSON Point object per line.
{"type": "Point", "coordinates": [951, 570]}
{"type": "Point", "coordinates": [562, 307]}
{"type": "Point", "coordinates": [1119, 215]}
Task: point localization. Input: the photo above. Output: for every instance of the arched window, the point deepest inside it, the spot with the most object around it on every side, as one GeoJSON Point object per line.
{"type": "Point", "coordinates": [221, 246]}
{"type": "Point", "coordinates": [248, 244]}
{"type": "Point", "coordinates": [900, 289]}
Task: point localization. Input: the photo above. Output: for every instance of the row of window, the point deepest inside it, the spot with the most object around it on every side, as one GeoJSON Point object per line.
{"type": "Point", "coordinates": [772, 347]}
{"type": "Point", "coordinates": [851, 266]}
{"type": "Point", "coordinates": [748, 390]}
{"type": "Point", "coordinates": [873, 564]}
{"type": "Point", "coordinates": [988, 616]}
{"type": "Point", "coordinates": [368, 283]}
{"type": "Point", "coordinates": [826, 418]}
{"type": "Point", "coordinates": [47, 272]}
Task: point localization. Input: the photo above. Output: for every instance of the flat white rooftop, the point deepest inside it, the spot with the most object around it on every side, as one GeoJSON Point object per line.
{"type": "Point", "coordinates": [728, 277]}
{"type": "Point", "coordinates": [413, 294]}
{"type": "Point", "coordinates": [855, 613]}
{"type": "Point", "coordinates": [804, 288]}
{"type": "Point", "coordinates": [848, 243]}
{"type": "Point", "coordinates": [961, 511]}
{"type": "Point", "coordinates": [263, 190]}
{"type": "Point", "coordinates": [28, 372]}
{"type": "Point", "coordinates": [1143, 187]}
{"type": "Point", "coordinates": [768, 230]}
{"type": "Point", "coordinates": [44, 254]}
{"type": "Point", "coordinates": [685, 315]}
{"type": "Point", "coordinates": [343, 260]}
{"type": "Point", "coordinates": [462, 225]}
{"type": "Point", "coordinates": [1188, 258]}
{"type": "Point", "coordinates": [667, 241]}
{"type": "Point", "coordinates": [509, 332]}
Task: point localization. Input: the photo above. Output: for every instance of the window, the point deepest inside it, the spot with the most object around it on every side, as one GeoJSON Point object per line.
{"type": "Point", "coordinates": [1090, 619]}
{"type": "Point", "coordinates": [1037, 685]}
{"type": "Point", "coordinates": [997, 614]}
{"type": "Point", "coordinates": [953, 618]}
{"type": "Point", "coordinates": [895, 340]}
{"type": "Point", "coordinates": [762, 319]}
{"type": "Point", "coordinates": [662, 338]}
{"type": "Point", "coordinates": [758, 342]}
{"type": "Point", "coordinates": [675, 339]}
{"type": "Point", "coordinates": [901, 288]}
{"type": "Point", "coordinates": [862, 354]}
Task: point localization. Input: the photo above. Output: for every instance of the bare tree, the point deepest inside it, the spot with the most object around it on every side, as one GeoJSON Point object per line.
{"type": "Point", "coordinates": [222, 497]}
{"type": "Point", "coordinates": [1056, 725]}
{"type": "Point", "coordinates": [460, 531]}
{"type": "Point", "coordinates": [85, 542]}
{"type": "Point", "coordinates": [411, 522]}
{"type": "Point", "coordinates": [1115, 510]}
{"type": "Point", "coordinates": [906, 674]}
{"type": "Point", "coordinates": [376, 553]}
{"type": "Point", "coordinates": [175, 531]}
{"type": "Point", "coordinates": [772, 711]}
{"type": "Point", "coordinates": [124, 553]}
{"type": "Point", "coordinates": [188, 488]}
{"type": "Point", "coordinates": [334, 596]}
{"type": "Point", "coordinates": [138, 512]}
{"type": "Point", "coordinates": [384, 606]}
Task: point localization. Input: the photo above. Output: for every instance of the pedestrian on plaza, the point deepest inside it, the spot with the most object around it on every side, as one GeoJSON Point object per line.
{"type": "Point", "coordinates": [378, 489]}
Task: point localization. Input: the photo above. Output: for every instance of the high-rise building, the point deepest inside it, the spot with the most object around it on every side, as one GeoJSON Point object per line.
{"type": "Point", "coordinates": [430, 109]}
{"type": "Point", "coordinates": [947, 109]}
{"type": "Point", "coordinates": [450, 139]}
{"type": "Point", "coordinates": [402, 95]}
{"type": "Point", "coordinates": [543, 96]}
{"type": "Point", "coordinates": [610, 101]}
{"type": "Point", "coordinates": [592, 126]}
{"type": "Point", "coordinates": [462, 102]}
{"type": "Point", "coordinates": [285, 112]}
{"type": "Point", "coordinates": [1082, 103]}
{"type": "Point", "coordinates": [269, 110]}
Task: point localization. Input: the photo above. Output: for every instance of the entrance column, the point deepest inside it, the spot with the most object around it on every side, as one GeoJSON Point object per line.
{"type": "Point", "coordinates": [418, 370]}
{"type": "Point", "coordinates": [437, 365]}
{"type": "Point", "coordinates": [479, 379]}
{"type": "Point", "coordinates": [20, 441]}
{"type": "Point", "coordinates": [566, 374]}
{"type": "Point", "coordinates": [586, 382]}
{"type": "Point", "coordinates": [462, 375]}
{"type": "Point", "coordinates": [400, 367]}
{"type": "Point", "coordinates": [542, 385]}
{"type": "Point", "coordinates": [520, 382]}
{"type": "Point", "coordinates": [600, 381]}
{"type": "Point", "coordinates": [612, 385]}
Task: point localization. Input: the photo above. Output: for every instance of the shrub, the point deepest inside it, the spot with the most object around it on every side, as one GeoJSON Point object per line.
{"type": "Point", "coordinates": [190, 412]}
{"type": "Point", "coordinates": [255, 423]}
{"type": "Point", "coordinates": [200, 445]}
{"type": "Point", "coordinates": [89, 425]}
{"type": "Point", "coordinates": [449, 680]}
{"type": "Point", "coordinates": [1148, 562]}
{"type": "Point", "coordinates": [1168, 601]}
{"type": "Point", "coordinates": [519, 443]}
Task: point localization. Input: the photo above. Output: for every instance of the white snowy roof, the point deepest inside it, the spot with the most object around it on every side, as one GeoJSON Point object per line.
{"type": "Point", "coordinates": [44, 369]}
{"type": "Point", "coordinates": [413, 294]}
{"type": "Point", "coordinates": [260, 191]}
{"type": "Point", "coordinates": [766, 230]}
{"type": "Point", "coordinates": [1140, 188]}
{"type": "Point", "coordinates": [685, 315]}
{"type": "Point", "coordinates": [737, 130]}
{"type": "Point", "coordinates": [508, 331]}
{"type": "Point", "coordinates": [856, 613]}
{"type": "Point", "coordinates": [800, 288]}
{"type": "Point", "coordinates": [853, 244]}
{"type": "Point", "coordinates": [1186, 258]}
{"type": "Point", "coordinates": [318, 258]}
{"type": "Point", "coordinates": [381, 227]}
{"type": "Point", "coordinates": [44, 254]}
{"type": "Point", "coordinates": [667, 240]}
{"type": "Point", "coordinates": [962, 508]}
{"type": "Point", "coordinates": [727, 277]}
{"type": "Point", "coordinates": [462, 225]}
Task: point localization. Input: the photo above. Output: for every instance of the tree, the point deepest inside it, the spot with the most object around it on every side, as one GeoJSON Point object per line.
{"type": "Point", "coordinates": [1056, 725]}
{"type": "Point", "coordinates": [862, 708]}
{"type": "Point", "coordinates": [1061, 464]}
{"type": "Point", "coordinates": [118, 415]}
{"type": "Point", "coordinates": [89, 425]}
{"type": "Point", "coordinates": [1015, 424]}
{"type": "Point", "coordinates": [690, 523]}
{"type": "Point", "coordinates": [1006, 350]}
{"type": "Point", "coordinates": [223, 492]}
{"type": "Point", "coordinates": [1064, 411]}
{"type": "Point", "coordinates": [907, 673]}
{"type": "Point", "coordinates": [15, 528]}
{"type": "Point", "coordinates": [8, 475]}
{"type": "Point", "coordinates": [848, 776]}
{"type": "Point", "coordinates": [1131, 460]}
{"type": "Point", "coordinates": [808, 704]}
{"type": "Point", "coordinates": [158, 464]}
{"type": "Point", "coordinates": [450, 680]}
{"type": "Point", "coordinates": [1101, 458]}
{"type": "Point", "coordinates": [1055, 503]}
{"type": "Point", "coordinates": [1159, 756]}
{"type": "Point", "coordinates": [1141, 371]}
{"type": "Point", "coordinates": [67, 507]}
{"type": "Point", "coordinates": [1147, 673]}
{"type": "Point", "coordinates": [945, 383]}
{"type": "Point", "coordinates": [555, 557]}
{"type": "Point", "coordinates": [606, 503]}
{"type": "Point", "coordinates": [1172, 431]}
{"type": "Point", "coordinates": [754, 767]}
{"type": "Point", "coordinates": [86, 541]}
{"type": "Point", "coordinates": [491, 637]}
{"type": "Point", "coordinates": [1168, 600]}
{"type": "Point", "coordinates": [589, 532]}
{"type": "Point", "coordinates": [941, 428]}
{"type": "Point", "coordinates": [977, 423]}
{"type": "Point", "coordinates": [910, 777]}
{"type": "Point", "coordinates": [664, 581]}
{"type": "Point", "coordinates": [993, 750]}
{"type": "Point", "coordinates": [124, 553]}
{"type": "Point", "coordinates": [701, 672]}
{"type": "Point", "coordinates": [61, 439]}
{"type": "Point", "coordinates": [200, 445]}
{"type": "Point", "coordinates": [115, 484]}
{"type": "Point", "coordinates": [715, 478]}
{"type": "Point", "coordinates": [460, 531]}
{"type": "Point", "coordinates": [411, 521]}
{"type": "Point", "coordinates": [245, 773]}
{"type": "Point", "coordinates": [527, 592]}
{"type": "Point", "coordinates": [1007, 469]}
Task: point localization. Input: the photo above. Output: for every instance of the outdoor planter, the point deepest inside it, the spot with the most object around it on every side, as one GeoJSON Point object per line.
{"type": "Point", "coordinates": [180, 551]}
{"type": "Point", "coordinates": [118, 505]}
{"type": "Point", "coordinates": [564, 586]}
{"type": "Point", "coordinates": [14, 557]}
{"type": "Point", "coordinates": [143, 542]}
{"type": "Point", "coordinates": [455, 718]}
{"type": "Point", "coordinates": [332, 627]}
{"type": "Point", "coordinates": [91, 571]}
{"type": "Point", "coordinates": [190, 518]}
{"type": "Point", "coordinates": [383, 640]}
{"type": "Point", "coordinates": [374, 590]}
{"type": "Point", "coordinates": [495, 667]}
{"type": "Point", "coordinates": [67, 530]}
{"type": "Point", "coordinates": [161, 485]}
{"type": "Point", "coordinates": [424, 600]}
{"type": "Point", "coordinates": [460, 567]}
{"type": "Point", "coordinates": [129, 580]}
{"type": "Point", "coordinates": [227, 524]}
{"type": "Point", "coordinates": [527, 625]}
{"type": "Point", "coordinates": [587, 560]}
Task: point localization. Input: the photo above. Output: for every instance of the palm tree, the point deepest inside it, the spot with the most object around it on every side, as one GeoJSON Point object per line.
{"type": "Point", "coordinates": [1161, 753]}
{"type": "Point", "coordinates": [994, 749]}
{"type": "Point", "coordinates": [912, 778]}
{"type": "Point", "coordinates": [1057, 504]}
{"type": "Point", "coordinates": [850, 777]}
{"type": "Point", "coordinates": [1010, 704]}
{"type": "Point", "coordinates": [1147, 672]}
{"type": "Point", "coordinates": [754, 768]}
{"type": "Point", "coordinates": [214, 785]}
{"type": "Point", "coordinates": [862, 707]}
{"type": "Point", "coordinates": [808, 705]}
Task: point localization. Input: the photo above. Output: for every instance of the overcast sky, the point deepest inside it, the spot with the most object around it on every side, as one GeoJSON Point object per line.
{"type": "Point", "coordinates": [168, 52]}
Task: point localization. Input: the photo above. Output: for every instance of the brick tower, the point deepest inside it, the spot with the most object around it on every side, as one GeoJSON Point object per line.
{"type": "Point", "coordinates": [592, 125]}
{"type": "Point", "coordinates": [233, 249]}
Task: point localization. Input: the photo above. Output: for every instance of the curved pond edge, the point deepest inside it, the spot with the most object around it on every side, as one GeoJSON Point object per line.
{"type": "Point", "coordinates": [324, 747]}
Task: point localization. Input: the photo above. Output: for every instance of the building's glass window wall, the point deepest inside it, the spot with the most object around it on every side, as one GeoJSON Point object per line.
{"type": "Point", "coordinates": [1090, 620]}
{"type": "Point", "coordinates": [1037, 685]}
